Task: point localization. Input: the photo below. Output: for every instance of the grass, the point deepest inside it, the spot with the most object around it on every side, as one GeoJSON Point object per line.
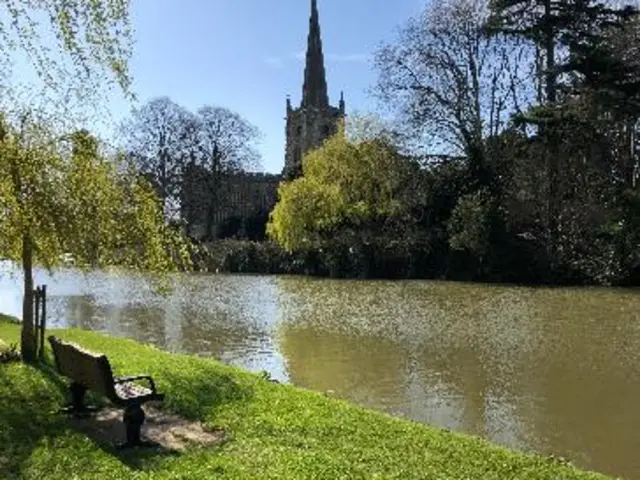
{"type": "Point", "coordinates": [274, 431]}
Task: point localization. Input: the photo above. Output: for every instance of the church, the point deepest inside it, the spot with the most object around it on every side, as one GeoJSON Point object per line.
{"type": "Point", "coordinates": [251, 195]}
{"type": "Point", "coordinates": [315, 119]}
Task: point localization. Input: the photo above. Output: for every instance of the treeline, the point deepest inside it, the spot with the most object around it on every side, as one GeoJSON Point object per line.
{"type": "Point", "coordinates": [532, 108]}
{"type": "Point", "coordinates": [513, 156]}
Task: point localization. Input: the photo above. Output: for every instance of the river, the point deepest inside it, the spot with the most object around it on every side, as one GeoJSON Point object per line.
{"type": "Point", "coordinates": [551, 370]}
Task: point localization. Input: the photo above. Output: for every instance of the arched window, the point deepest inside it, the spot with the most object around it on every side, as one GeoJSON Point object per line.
{"type": "Point", "coordinates": [326, 130]}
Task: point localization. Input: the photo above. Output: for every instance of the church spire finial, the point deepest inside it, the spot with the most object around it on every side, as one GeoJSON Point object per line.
{"type": "Point", "coordinates": [314, 91]}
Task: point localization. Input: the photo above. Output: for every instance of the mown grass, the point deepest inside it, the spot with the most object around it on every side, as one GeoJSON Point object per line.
{"type": "Point", "coordinates": [273, 431]}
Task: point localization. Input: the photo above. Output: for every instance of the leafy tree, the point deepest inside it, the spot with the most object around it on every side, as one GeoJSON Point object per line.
{"type": "Point", "coordinates": [355, 194]}
{"type": "Point", "coordinates": [572, 35]}
{"type": "Point", "coordinates": [470, 225]}
{"type": "Point", "coordinates": [57, 200]}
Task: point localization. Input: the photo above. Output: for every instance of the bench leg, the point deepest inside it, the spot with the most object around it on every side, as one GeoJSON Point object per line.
{"type": "Point", "coordinates": [77, 406]}
{"type": "Point", "coordinates": [133, 419]}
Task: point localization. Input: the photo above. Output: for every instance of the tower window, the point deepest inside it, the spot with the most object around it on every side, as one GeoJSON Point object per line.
{"type": "Point", "coordinates": [299, 130]}
{"type": "Point", "coordinates": [326, 130]}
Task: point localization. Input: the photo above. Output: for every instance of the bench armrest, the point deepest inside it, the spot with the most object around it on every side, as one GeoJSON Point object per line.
{"type": "Point", "coordinates": [136, 377]}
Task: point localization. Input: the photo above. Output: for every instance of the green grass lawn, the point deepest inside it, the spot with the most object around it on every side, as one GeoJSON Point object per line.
{"type": "Point", "coordinates": [273, 431]}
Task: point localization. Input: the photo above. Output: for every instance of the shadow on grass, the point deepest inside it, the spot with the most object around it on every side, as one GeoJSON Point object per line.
{"type": "Point", "coordinates": [198, 395]}
{"type": "Point", "coordinates": [30, 398]}
{"type": "Point", "coordinates": [26, 414]}
{"type": "Point", "coordinates": [135, 458]}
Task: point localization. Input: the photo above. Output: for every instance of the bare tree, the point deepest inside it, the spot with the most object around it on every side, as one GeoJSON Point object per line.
{"type": "Point", "coordinates": [227, 145]}
{"type": "Point", "coordinates": [161, 137]}
{"type": "Point", "coordinates": [227, 141]}
{"type": "Point", "coordinates": [449, 82]}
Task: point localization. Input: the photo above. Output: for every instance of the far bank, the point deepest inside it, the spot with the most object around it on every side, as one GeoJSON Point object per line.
{"type": "Point", "coordinates": [524, 265]}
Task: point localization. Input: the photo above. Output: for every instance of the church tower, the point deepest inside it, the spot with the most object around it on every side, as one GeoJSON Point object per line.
{"type": "Point", "coordinates": [315, 120]}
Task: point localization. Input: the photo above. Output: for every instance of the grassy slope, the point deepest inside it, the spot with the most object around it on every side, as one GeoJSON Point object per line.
{"type": "Point", "coordinates": [275, 431]}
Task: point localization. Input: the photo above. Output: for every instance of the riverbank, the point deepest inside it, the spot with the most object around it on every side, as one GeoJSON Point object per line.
{"type": "Point", "coordinates": [272, 430]}
{"type": "Point", "coordinates": [419, 262]}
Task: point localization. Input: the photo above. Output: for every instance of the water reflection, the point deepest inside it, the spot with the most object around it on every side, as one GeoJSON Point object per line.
{"type": "Point", "coordinates": [551, 370]}
{"type": "Point", "coordinates": [555, 371]}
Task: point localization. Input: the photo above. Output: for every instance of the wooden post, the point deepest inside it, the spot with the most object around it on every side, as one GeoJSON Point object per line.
{"type": "Point", "coordinates": [36, 315]}
{"type": "Point", "coordinates": [43, 320]}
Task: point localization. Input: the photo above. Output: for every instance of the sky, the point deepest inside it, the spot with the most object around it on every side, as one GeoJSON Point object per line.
{"type": "Point", "coordinates": [247, 55]}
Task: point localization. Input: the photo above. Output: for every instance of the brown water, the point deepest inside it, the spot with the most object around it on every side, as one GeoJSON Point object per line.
{"type": "Point", "coordinates": [547, 370]}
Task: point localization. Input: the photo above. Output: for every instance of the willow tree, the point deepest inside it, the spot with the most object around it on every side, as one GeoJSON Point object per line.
{"type": "Point", "coordinates": [95, 35]}
{"type": "Point", "coordinates": [351, 192]}
{"type": "Point", "coordinates": [59, 195]}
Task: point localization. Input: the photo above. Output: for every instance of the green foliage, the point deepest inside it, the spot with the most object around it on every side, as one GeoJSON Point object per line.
{"type": "Point", "coordinates": [95, 34]}
{"type": "Point", "coordinates": [273, 431]}
{"type": "Point", "coordinates": [58, 201]}
{"type": "Point", "coordinates": [244, 256]}
{"type": "Point", "coordinates": [348, 187]}
{"type": "Point", "coordinates": [98, 209]}
{"type": "Point", "coordinates": [8, 353]}
{"type": "Point", "coordinates": [470, 223]}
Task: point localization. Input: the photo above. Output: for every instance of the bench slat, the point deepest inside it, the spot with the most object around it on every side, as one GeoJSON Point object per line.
{"type": "Point", "coordinates": [130, 390]}
{"type": "Point", "coordinates": [89, 369]}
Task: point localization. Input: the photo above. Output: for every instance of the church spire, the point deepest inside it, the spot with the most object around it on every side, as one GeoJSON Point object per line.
{"type": "Point", "coordinates": [314, 91]}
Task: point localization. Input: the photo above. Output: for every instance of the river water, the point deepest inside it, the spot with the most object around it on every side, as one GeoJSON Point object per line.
{"type": "Point", "coordinates": [556, 371]}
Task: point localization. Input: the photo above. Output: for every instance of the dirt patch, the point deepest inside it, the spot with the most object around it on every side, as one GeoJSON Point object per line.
{"type": "Point", "coordinates": [167, 431]}
{"type": "Point", "coordinates": [8, 353]}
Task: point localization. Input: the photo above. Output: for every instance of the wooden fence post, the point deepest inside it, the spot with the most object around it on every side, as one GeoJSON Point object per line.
{"type": "Point", "coordinates": [40, 318]}
{"type": "Point", "coordinates": [43, 320]}
{"type": "Point", "coordinates": [36, 315]}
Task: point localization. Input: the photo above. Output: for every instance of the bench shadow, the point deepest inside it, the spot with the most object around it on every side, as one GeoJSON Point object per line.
{"type": "Point", "coordinates": [25, 416]}
{"type": "Point", "coordinates": [196, 394]}
{"type": "Point", "coordinates": [108, 432]}
{"type": "Point", "coordinates": [31, 414]}
{"type": "Point", "coordinates": [105, 433]}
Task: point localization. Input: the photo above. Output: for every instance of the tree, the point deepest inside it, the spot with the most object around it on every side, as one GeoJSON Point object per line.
{"type": "Point", "coordinates": [161, 138]}
{"type": "Point", "coordinates": [226, 145]}
{"type": "Point", "coordinates": [95, 35]}
{"type": "Point", "coordinates": [572, 35]}
{"type": "Point", "coordinates": [352, 193]}
{"type": "Point", "coordinates": [447, 80]}
{"type": "Point", "coordinates": [57, 200]}
{"type": "Point", "coordinates": [470, 225]}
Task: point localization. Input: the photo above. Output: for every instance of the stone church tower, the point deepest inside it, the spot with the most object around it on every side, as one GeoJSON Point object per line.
{"type": "Point", "coordinates": [315, 120]}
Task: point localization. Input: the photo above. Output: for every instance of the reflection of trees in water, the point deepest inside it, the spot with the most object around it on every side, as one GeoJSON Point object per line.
{"type": "Point", "coordinates": [393, 345]}
{"type": "Point", "coordinates": [80, 311]}
{"type": "Point", "coordinates": [207, 315]}
{"type": "Point", "coordinates": [555, 370]}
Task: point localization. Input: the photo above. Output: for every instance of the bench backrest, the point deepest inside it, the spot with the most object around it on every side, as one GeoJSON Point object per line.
{"type": "Point", "coordinates": [86, 368]}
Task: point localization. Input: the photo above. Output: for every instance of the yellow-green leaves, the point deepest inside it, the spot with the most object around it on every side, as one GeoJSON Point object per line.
{"type": "Point", "coordinates": [344, 183]}
{"type": "Point", "coordinates": [95, 34]}
{"type": "Point", "coordinates": [70, 199]}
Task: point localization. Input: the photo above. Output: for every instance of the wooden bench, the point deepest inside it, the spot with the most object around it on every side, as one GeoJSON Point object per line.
{"type": "Point", "coordinates": [90, 371]}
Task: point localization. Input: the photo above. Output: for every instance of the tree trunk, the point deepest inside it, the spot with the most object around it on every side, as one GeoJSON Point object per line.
{"type": "Point", "coordinates": [28, 337]}
{"type": "Point", "coordinates": [553, 200]}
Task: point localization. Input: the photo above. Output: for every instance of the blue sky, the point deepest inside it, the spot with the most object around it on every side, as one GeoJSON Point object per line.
{"type": "Point", "coordinates": [246, 55]}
